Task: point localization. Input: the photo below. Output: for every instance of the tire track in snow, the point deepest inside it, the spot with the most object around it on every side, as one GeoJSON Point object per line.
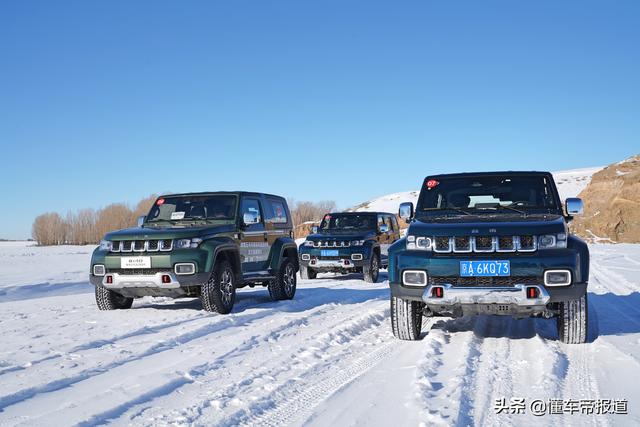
{"type": "Point", "coordinates": [332, 345]}
{"type": "Point", "coordinates": [296, 399]}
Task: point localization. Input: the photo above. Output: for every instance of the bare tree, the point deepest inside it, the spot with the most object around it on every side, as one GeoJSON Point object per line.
{"type": "Point", "coordinates": [49, 229]}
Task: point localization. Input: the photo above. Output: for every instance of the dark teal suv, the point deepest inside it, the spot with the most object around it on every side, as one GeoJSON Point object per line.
{"type": "Point", "coordinates": [349, 242]}
{"type": "Point", "coordinates": [490, 243]}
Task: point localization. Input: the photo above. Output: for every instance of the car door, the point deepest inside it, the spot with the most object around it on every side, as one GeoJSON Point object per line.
{"type": "Point", "coordinates": [276, 219]}
{"type": "Point", "coordinates": [254, 245]}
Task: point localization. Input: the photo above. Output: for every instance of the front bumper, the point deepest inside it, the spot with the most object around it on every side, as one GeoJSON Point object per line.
{"type": "Point", "coordinates": [317, 261]}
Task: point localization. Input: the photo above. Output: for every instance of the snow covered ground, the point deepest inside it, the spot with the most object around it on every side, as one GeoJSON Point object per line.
{"type": "Point", "coordinates": [325, 358]}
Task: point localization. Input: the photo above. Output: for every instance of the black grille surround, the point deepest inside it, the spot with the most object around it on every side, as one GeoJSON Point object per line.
{"type": "Point", "coordinates": [478, 282]}
{"type": "Point", "coordinates": [484, 244]}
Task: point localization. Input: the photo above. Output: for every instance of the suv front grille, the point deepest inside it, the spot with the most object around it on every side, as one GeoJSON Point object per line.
{"type": "Point", "coordinates": [332, 243]}
{"type": "Point", "coordinates": [484, 244]}
{"type": "Point", "coordinates": [163, 245]}
{"type": "Point", "coordinates": [484, 281]}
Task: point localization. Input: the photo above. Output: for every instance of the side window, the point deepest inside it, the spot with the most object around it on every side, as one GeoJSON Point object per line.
{"type": "Point", "coordinates": [252, 207]}
{"type": "Point", "coordinates": [276, 212]}
{"type": "Point", "coordinates": [387, 220]}
{"type": "Point", "coordinates": [394, 221]}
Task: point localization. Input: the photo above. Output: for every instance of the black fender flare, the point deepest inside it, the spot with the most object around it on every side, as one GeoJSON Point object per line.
{"type": "Point", "coordinates": [278, 250]}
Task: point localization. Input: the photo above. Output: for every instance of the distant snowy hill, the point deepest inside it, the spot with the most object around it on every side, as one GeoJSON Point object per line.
{"type": "Point", "coordinates": [570, 183]}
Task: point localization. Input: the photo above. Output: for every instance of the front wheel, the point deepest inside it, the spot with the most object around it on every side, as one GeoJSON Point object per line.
{"type": "Point", "coordinates": [284, 285]}
{"type": "Point", "coordinates": [406, 319]}
{"type": "Point", "coordinates": [109, 300]}
{"type": "Point", "coordinates": [219, 293]}
{"type": "Point", "coordinates": [372, 271]}
{"type": "Point", "coordinates": [572, 321]}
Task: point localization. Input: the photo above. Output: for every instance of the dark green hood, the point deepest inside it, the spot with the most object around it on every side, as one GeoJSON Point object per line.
{"type": "Point", "coordinates": [484, 225]}
{"type": "Point", "coordinates": [149, 233]}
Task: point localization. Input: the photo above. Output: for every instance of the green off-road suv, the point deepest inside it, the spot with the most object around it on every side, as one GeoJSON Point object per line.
{"type": "Point", "coordinates": [199, 244]}
{"type": "Point", "coordinates": [490, 243]}
{"type": "Point", "coordinates": [349, 242]}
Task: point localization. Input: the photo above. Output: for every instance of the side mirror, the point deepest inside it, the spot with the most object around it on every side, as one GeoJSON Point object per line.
{"type": "Point", "coordinates": [250, 218]}
{"type": "Point", "coordinates": [406, 211]}
{"type": "Point", "coordinates": [314, 229]}
{"type": "Point", "coordinates": [574, 206]}
{"type": "Point", "coordinates": [141, 220]}
{"type": "Point", "coordinates": [384, 228]}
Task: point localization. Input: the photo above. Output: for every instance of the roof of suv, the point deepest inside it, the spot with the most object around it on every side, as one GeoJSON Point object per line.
{"type": "Point", "coordinates": [496, 173]}
{"type": "Point", "coordinates": [360, 213]}
{"type": "Point", "coordinates": [204, 193]}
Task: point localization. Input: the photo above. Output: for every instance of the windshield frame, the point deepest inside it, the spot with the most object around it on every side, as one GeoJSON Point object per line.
{"type": "Point", "coordinates": [491, 210]}
{"type": "Point", "coordinates": [189, 219]}
{"type": "Point", "coordinates": [330, 216]}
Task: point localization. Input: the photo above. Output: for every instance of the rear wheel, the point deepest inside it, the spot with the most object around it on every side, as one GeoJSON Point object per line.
{"type": "Point", "coordinates": [572, 321]}
{"type": "Point", "coordinates": [109, 300]}
{"type": "Point", "coordinates": [284, 285]}
{"type": "Point", "coordinates": [219, 293]}
{"type": "Point", "coordinates": [406, 319]}
{"type": "Point", "coordinates": [372, 271]}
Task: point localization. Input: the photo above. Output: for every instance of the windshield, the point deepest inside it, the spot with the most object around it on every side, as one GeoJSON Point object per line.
{"type": "Point", "coordinates": [480, 194]}
{"type": "Point", "coordinates": [190, 208]}
{"type": "Point", "coordinates": [348, 222]}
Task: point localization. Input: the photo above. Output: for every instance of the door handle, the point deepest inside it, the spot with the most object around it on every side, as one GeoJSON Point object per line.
{"type": "Point", "coordinates": [266, 236]}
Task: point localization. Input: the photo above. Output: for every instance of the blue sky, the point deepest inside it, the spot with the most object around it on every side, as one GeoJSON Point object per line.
{"type": "Point", "coordinates": [105, 102]}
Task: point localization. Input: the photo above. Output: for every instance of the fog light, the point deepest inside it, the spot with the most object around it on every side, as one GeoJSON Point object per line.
{"type": "Point", "coordinates": [414, 278]}
{"type": "Point", "coordinates": [166, 278]}
{"type": "Point", "coordinates": [185, 268]}
{"type": "Point", "coordinates": [356, 257]}
{"type": "Point", "coordinates": [557, 277]}
{"type": "Point", "coordinates": [109, 280]}
{"type": "Point", "coordinates": [533, 292]}
{"type": "Point", "coordinates": [306, 257]}
{"type": "Point", "coordinates": [98, 270]}
{"type": "Point", "coordinates": [346, 262]}
{"type": "Point", "coordinates": [437, 292]}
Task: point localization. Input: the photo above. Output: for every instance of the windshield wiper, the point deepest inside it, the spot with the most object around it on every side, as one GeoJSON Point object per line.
{"type": "Point", "coordinates": [511, 208]}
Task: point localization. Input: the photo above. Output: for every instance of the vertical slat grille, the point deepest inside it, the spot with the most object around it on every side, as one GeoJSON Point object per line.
{"type": "Point", "coordinates": [142, 245]}
{"type": "Point", "coordinates": [484, 244]}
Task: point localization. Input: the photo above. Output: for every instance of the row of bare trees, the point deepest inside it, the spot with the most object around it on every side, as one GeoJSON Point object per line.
{"type": "Point", "coordinates": [86, 226]}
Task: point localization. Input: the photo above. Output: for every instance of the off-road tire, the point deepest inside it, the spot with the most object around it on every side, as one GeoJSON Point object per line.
{"type": "Point", "coordinates": [307, 273]}
{"type": "Point", "coordinates": [372, 271]}
{"type": "Point", "coordinates": [109, 300]}
{"type": "Point", "coordinates": [284, 285]}
{"type": "Point", "coordinates": [572, 321]}
{"type": "Point", "coordinates": [218, 294]}
{"type": "Point", "coordinates": [406, 319]}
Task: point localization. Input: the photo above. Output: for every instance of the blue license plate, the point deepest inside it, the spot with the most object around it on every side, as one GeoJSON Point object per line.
{"type": "Point", "coordinates": [485, 268]}
{"type": "Point", "coordinates": [329, 252]}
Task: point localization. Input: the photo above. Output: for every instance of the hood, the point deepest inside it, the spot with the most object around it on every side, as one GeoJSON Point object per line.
{"type": "Point", "coordinates": [338, 235]}
{"type": "Point", "coordinates": [148, 233]}
{"type": "Point", "coordinates": [496, 225]}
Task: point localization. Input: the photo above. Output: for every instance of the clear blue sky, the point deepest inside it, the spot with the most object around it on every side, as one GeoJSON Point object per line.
{"type": "Point", "coordinates": [110, 101]}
